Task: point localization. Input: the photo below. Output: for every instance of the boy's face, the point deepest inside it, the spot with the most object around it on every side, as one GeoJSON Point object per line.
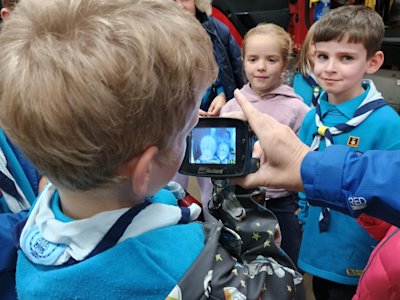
{"type": "Point", "coordinates": [263, 63]}
{"type": "Point", "coordinates": [165, 168]}
{"type": "Point", "coordinates": [339, 68]}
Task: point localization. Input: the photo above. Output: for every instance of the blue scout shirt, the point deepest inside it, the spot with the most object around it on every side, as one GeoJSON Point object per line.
{"type": "Point", "coordinates": [340, 253]}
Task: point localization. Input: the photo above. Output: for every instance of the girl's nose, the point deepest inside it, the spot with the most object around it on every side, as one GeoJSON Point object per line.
{"type": "Point", "coordinates": [261, 65]}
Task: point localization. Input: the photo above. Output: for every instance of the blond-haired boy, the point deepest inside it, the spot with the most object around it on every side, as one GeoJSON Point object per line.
{"type": "Point", "coordinates": [108, 91]}
{"type": "Point", "coordinates": [350, 111]}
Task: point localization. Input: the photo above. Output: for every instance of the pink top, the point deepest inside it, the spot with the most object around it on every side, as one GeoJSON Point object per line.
{"type": "Point", "coordinates": [381, 276]}
{"type": "Point", "coordinates": [283, 104]}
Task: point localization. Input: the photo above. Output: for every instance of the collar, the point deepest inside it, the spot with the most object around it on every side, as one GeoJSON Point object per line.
{"type": "Point", "coordinates": [346, 108]}
{"type": "Point", "coordinates": [50, 240]}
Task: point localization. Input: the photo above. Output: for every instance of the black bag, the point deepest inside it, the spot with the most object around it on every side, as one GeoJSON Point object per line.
{"type": "Point", "coordinates": [240, 259]}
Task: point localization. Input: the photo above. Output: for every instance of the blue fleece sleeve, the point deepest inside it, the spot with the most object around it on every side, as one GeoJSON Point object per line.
{"type": "Point", "coordinates": [354, 183]}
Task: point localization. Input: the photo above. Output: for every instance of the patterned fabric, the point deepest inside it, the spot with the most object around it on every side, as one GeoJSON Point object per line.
{"type": "Point", "coordinates": [222, 274]}
{"type": "Point", "coordinates": [241, 259]}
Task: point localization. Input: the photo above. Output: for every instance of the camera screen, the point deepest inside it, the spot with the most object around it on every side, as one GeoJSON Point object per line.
{"type": "Point", "coordinates": [213, 145]}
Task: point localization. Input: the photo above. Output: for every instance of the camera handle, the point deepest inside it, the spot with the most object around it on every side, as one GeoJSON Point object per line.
{"type": "Point", "coordinates": [224, 198]}
{"type": "Point", "coordinates": [227, 197]}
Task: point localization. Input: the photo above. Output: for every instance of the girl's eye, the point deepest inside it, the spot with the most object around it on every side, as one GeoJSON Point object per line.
{"type": "Point", "coordinates": [322, 57]}
{"type": "Point", "coordinates": [251, 59]}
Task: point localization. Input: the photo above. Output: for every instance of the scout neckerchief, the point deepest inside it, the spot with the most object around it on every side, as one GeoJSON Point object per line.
{"type": "Point", "coordinates": [45, 240]}
{"type": "Point", "coordinates": [9, 190]}
{"type": "Point", "coordinates": [316, 89]}
{"type": "Point", "coordinates": [367, 106]}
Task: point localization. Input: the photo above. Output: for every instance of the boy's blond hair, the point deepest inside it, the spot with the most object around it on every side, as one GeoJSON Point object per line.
{"type": "Point", "coordinates": [303, 64]}
{"type": "Point", "coordinates": [87, 85]}
{"type": "Point", "coordinates": [356, 23]}
{"type": "Point", "coordinates": [281, 35]}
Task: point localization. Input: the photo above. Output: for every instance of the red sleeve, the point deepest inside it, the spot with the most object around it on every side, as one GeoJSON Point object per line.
{"type": "Point", "coordinates": [374, 226]}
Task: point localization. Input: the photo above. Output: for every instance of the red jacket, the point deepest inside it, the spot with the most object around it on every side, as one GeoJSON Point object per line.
{"type": "Point", "coordinates": [381, 277]}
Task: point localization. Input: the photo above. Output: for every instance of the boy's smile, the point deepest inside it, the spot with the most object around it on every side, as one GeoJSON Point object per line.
{"type": "Point", "coordinates": [339, 68]}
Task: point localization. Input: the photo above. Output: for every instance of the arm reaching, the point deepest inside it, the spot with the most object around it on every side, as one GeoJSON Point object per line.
{"type": "Point", "coordinates": [347, 181]}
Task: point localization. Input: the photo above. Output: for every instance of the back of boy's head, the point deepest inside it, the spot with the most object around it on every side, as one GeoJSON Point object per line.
{"type": "Point", "coordinates": [87, 85]}
{"type": "Point", "coordinates": [281, 36]}
{"type": "Point", "coordinates": [356, 23]}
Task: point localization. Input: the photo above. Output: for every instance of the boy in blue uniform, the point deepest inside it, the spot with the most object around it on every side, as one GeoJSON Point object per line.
{"type": "Point", "coordinates": [335, 248]}
{"type": "Point", "coordinates": [109, 91]}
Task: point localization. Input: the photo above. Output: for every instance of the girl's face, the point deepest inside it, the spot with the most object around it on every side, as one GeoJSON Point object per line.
{"type": "Point", "coordinates": [263, 63]}
{"type": "Point", "coordinates": [223, 151]}
{"type": "Point", "coordinates": [188, 5]}
{"type": "Point", "coordinates": [311, 53]}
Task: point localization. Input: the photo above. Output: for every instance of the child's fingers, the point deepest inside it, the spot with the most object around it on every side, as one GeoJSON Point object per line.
{"type": "Point", "coordinates": [235, 115]}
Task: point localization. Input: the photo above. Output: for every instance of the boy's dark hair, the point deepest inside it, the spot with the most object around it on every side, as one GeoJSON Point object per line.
{"type": "Point", "coordinates": [9, 3]}
{"type": "Point", "coordinates": [356, 23]}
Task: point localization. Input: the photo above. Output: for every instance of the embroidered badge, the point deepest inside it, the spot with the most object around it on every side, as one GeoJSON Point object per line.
{"type": "Point", "coordinates": [354, 272]}
{"type": "Point", "coordinates": [39, 250]}
{"type": "Point", "coordinates": [353, 141]}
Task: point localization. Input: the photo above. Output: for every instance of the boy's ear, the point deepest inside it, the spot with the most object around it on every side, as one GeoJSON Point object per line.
{"type": "Point", "coordinates": [5, 12]}
{"type": "Point", "coordinates": [140, 170]}
{"type": "Point", "coordinates": [375, 62]}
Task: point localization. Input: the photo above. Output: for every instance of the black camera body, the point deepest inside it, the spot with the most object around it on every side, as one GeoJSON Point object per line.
{"type": "Point", "coordinates": [219, 148]}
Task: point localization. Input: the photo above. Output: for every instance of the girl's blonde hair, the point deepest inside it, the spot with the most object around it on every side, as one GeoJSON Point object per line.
{"type": "Point", "coordinates": [303, 64]}
{"type": "Point", "coordinates": [204, 6]}
{"type": "Point", "coordinates": [282, 38]}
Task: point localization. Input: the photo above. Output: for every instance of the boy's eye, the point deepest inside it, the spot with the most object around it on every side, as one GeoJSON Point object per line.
{"type": "Point", "coordinates": [322, 57]}
{"type": "Point", "coordinates": [347, 58]}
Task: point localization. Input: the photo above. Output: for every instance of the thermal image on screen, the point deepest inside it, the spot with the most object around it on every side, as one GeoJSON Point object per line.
{"type": "Point", "coordinates": [213, 145]}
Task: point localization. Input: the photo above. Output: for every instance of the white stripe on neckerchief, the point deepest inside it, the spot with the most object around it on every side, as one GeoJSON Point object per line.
{"type": "Point", "coordinates": [371, 102]}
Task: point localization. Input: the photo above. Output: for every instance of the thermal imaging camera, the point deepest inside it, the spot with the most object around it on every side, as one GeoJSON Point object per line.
{"type": "Point", "coordinates": [219, 148]}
